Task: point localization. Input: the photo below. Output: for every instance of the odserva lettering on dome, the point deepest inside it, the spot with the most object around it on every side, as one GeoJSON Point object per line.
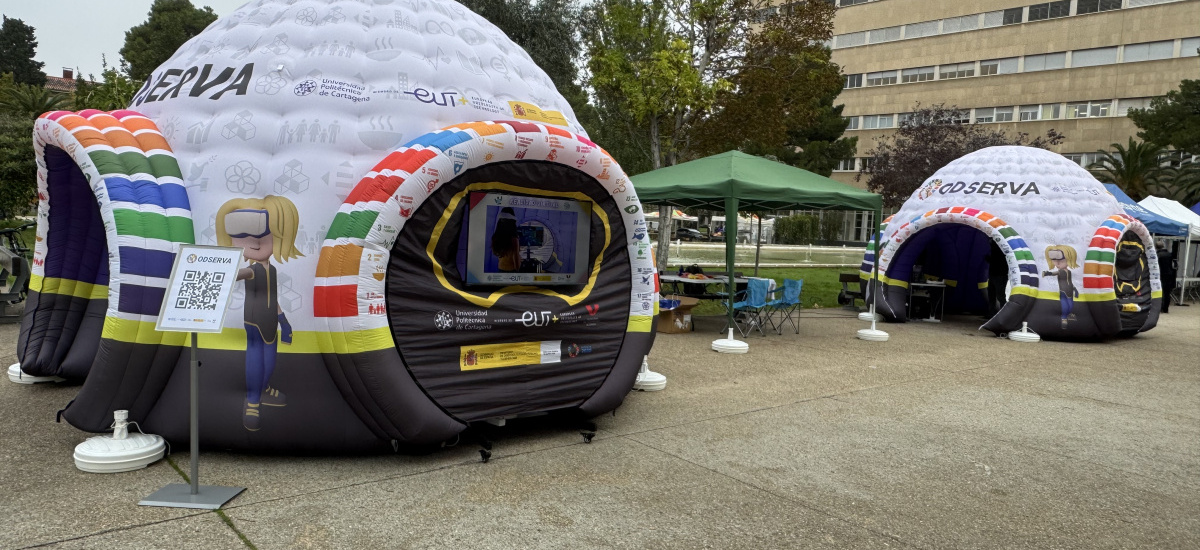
{"type": "Point", "coordinates": [984, 188]}
{"type": "Point", "coordinates": [442, 99]}
{"type": "Point", "coordinates": [204, 81]}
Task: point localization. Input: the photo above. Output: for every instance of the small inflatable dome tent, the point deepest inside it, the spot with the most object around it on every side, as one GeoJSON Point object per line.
{"type": "Point", "coordinates": [430, 237]}
{"type": "Point", "coordinates": [1077, 267]}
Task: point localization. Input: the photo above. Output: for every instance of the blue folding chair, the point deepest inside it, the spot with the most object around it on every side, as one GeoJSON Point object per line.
{"type": "Point", "coordinates": [787, 305]}
{"type": "Point", "coordinates": [751, 311]}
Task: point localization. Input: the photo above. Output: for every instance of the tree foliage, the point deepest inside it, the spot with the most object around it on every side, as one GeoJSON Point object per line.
{"type": "Point", "coordinates": [782, 100]}
{"type": "Point", "coordinates": [114, 90]}
{"type": "Point", "coordinates": [18, 167]}
{"type": "Point", "coordinates": [1135, 168]}
{"type": "Point", "coordinates": [928, 140]}
{"type": "Point", "coordinates": [1172, 120]}
{"type": "Point", "coordinates": [170, 23]}
{"type": "Point", "coordinates": [18, 45]}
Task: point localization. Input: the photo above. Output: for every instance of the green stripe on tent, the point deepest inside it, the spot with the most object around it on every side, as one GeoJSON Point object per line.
{"type": "Point", "coordinates": [1100, 256]}
{"type": "Point", "coordinates": [1008, 232]}
{"type": "Point", "coordinates": [352, 225]}
{"type": "Point", "coordinates": [1023, 255]}
{"type": "Point", "coordinates": [151, 225]}
{"type": "Point", "coordinates": [164, 165]}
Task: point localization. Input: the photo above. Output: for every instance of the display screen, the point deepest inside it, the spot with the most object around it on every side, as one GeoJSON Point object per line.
{"type": "Point", "coordinates": [521, 239]}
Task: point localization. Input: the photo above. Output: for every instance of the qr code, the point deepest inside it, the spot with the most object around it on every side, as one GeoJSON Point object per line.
{"type": "Point", "coordinates": [199, 290]}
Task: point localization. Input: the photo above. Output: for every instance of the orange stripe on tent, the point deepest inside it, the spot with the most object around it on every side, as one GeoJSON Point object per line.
{"type": "Point", "coordinates": [481, 128]}
{"type": "Point", "coordinates": [1097, 268]}
{"type": "Point", "coordinates": [339, 260]}
{"type": "Point", "coordinates": [957, 209]}
{"type": "Point", "coordinates": [150, 142]}
{"type": "Point", "coordinates": [557, 132]}
{"type": "Point", "coordinates": [997, 223]}
{"type": "Point", "coordinates": [982, 216]}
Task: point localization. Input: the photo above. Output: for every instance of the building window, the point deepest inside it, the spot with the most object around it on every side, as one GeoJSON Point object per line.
{"type": "Point", "coordinates": [851, 123]}
{"type": "Point", "coordinates": [957, 70]}
{"type": "Point", "coordinates": [844, 3]}
{"type": "Point", "coordinates": [866, 163]}
{"type": "Point", "coordinates": [854, 80]}
{"type": "Point", "coordinates": [902, 118]}
{"type": "Point", "coordinates": [878, 36]}
{"type": "Point", "coordinates": [961, 116]}
{"type": "Point", "coordinates": [959, 24]}
{"type": "Point", "coordinates": [1050, 10]}
{"type": "Point", "coordinates": [993, 19]}
{"type": "Point", "coordinates": [1149, 51]}
{"type": "Point", "coordinates": [919, 74]}
{"type": "Point", "coordinates": [1188, 47]}
{"type": "Point", "coordinates": [1088, 109]}
{"type": "Point", "coordinates": [882, 78]}
{"type": "Point", "coordinates": [847, 165]}
{"type": "Point", "coordinates": [985, 114]}
{"type": "Point", "coordinates": [874, 122]}
{"type": "Point", "coordinates": [850, 40]}
{"type": "Point", "coordinates": [1093, 6]}
{"type": "Point", "coordinates": [1124, 105]}
{"type": "Point", "coordinates": [998, 66]}
{"type": "Point", "coordinates": [1048, 111]}
{"type": "Point", "coordinates": [1013, 16]}
{"type": "Point", "coordinates": [918, 30]}
{"type": "Point", "coordinates": [1045, 62]}
{"type": "Point", "coordinates": [1095, 56]}
{"type": "Point", "coordinates": [1004, 114]}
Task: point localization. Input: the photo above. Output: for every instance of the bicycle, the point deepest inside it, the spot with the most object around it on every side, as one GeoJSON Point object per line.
{"type": "Point", "coordinates": [14, 264]}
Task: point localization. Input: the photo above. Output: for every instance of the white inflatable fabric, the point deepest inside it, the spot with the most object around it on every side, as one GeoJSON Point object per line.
{"type": "Point", "coordinates": [1059, 231]}
{"type": "Point", "coordinates": [311, 133]}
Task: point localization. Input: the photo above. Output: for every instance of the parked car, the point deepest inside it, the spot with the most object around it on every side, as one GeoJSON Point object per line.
{"type": "Point", "coordinates": [689, 234]}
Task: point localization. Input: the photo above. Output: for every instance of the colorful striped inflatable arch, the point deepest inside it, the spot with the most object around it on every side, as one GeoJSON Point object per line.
{"type": "Point", "coordinates": [430, 239]}
{"type": "Point", "coordinates": [1020, 235]}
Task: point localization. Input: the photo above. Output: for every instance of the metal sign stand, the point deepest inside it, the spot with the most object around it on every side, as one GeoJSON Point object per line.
{"type": "Point", "coordinates": [221, 270]}
{"type": "Point", "coordinates": [179, 495]}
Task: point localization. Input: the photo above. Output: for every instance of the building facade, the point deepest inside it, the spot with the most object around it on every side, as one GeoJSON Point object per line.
{"type": "Point", "coordinates": [1076, 66]}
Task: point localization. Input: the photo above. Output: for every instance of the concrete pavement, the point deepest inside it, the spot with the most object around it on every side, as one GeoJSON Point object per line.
{"type": "Point", "coordinates": [943, 437]}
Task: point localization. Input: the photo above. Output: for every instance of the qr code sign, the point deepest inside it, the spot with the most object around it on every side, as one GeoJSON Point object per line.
{"type": "Point", "coordinates": [199, 290]}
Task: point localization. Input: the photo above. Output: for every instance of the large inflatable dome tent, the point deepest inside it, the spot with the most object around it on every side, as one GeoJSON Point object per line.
{"type": "Point", "coordinates": [430, 238]}
{"type": "Point", "coordinates": [1028, 221]}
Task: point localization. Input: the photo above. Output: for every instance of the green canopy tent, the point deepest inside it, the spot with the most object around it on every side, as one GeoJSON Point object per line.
{"type": "Point", "coordinates": [735, 181]}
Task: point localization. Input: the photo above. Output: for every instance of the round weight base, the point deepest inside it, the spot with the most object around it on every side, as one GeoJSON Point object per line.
{"type": "Point", "coordinates": [104, 455]}
{"type": "Point", "coordinates": [1019, 336]}
{"type": "Point", "coordinates": [16, 375]}
{"type": "Point", "coordinates": [867, 316]}
{"type": "Point", "coordinates": [650, 381]}
{"type": "Point", "coordinates": [872, 335]}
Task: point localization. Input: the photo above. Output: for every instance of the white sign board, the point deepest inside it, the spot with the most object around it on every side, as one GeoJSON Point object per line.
{"type": "Point", "coordinates": [198, 293]}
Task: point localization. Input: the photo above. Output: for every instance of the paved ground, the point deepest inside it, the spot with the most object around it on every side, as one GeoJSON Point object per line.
{"type": "Point", "coordinates": [941, 438]}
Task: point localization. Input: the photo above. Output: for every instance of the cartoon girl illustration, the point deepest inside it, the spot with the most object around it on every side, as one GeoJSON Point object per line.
{"type": "Point", "coordinates": [264, 228]}
{"type": "Point", "coordinates": [1061, 260]}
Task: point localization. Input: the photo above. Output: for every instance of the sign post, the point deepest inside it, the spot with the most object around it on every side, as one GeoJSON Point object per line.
{"type": "Point", "coordinates": [196, 299]}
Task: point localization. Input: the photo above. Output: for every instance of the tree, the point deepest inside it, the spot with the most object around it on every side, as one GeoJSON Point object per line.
{"type": "Point", "coordinates": [1137, 168]}
{"type": "Point", "coordinates": [169, 25]}
{"type": "Point", "coordinates": [782, 100]}
{"type": "Point", "coordinates": [926, 141]}
{"type": "Point", "coordinates": [18, 45]}
{"type": "Point", "coordinates": [115, 90]}
{"type": "Point", "coordinates": [18, 167]}
{"type": "Point", "coordinates": [25, 101]}
{"type": "Point", "coordinates": [1173, 120]}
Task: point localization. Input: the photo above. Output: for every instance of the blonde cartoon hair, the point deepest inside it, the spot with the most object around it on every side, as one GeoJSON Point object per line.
{"type": "Point", "coordinates": [1068, 255]}
{"type": "Point", "coordinates": [282, 217]}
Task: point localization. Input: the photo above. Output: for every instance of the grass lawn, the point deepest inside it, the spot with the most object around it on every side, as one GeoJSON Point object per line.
{"type": "Point", "coordinates": [820, 288]}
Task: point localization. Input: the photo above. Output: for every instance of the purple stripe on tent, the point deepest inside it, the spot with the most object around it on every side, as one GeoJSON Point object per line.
{"type": "Point", "coordinates": [141, 300]}
{"type": "Point", "coordinates": [77, 248]}
{"type": "Point", "coordinates": [150, 263]}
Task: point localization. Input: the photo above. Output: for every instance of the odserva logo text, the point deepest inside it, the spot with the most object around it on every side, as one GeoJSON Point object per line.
{"type": "Point", "coordinates": [978, 188]}
{"type": "Point", "coordinates": [192, 258]}
{"type": "Point", "coordinates": [204, 81]}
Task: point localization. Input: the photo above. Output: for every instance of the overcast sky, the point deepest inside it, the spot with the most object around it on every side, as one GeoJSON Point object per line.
{"type": "Point", "coordinates": [74, 33]}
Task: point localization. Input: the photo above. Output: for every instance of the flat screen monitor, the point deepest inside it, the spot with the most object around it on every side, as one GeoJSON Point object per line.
{"type": "Point", "coordinates": [529, 240]}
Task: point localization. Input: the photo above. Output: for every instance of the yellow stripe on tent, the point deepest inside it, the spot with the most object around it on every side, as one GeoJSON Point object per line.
{"type": "Point", "coordinates": [234, 339]}
{"type": "Point", "coordinates": [1053, 295]}
{"type": "Point", "coordinates": [67, 287]}
{"type": "Point", "coordinates": [640, 323]}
